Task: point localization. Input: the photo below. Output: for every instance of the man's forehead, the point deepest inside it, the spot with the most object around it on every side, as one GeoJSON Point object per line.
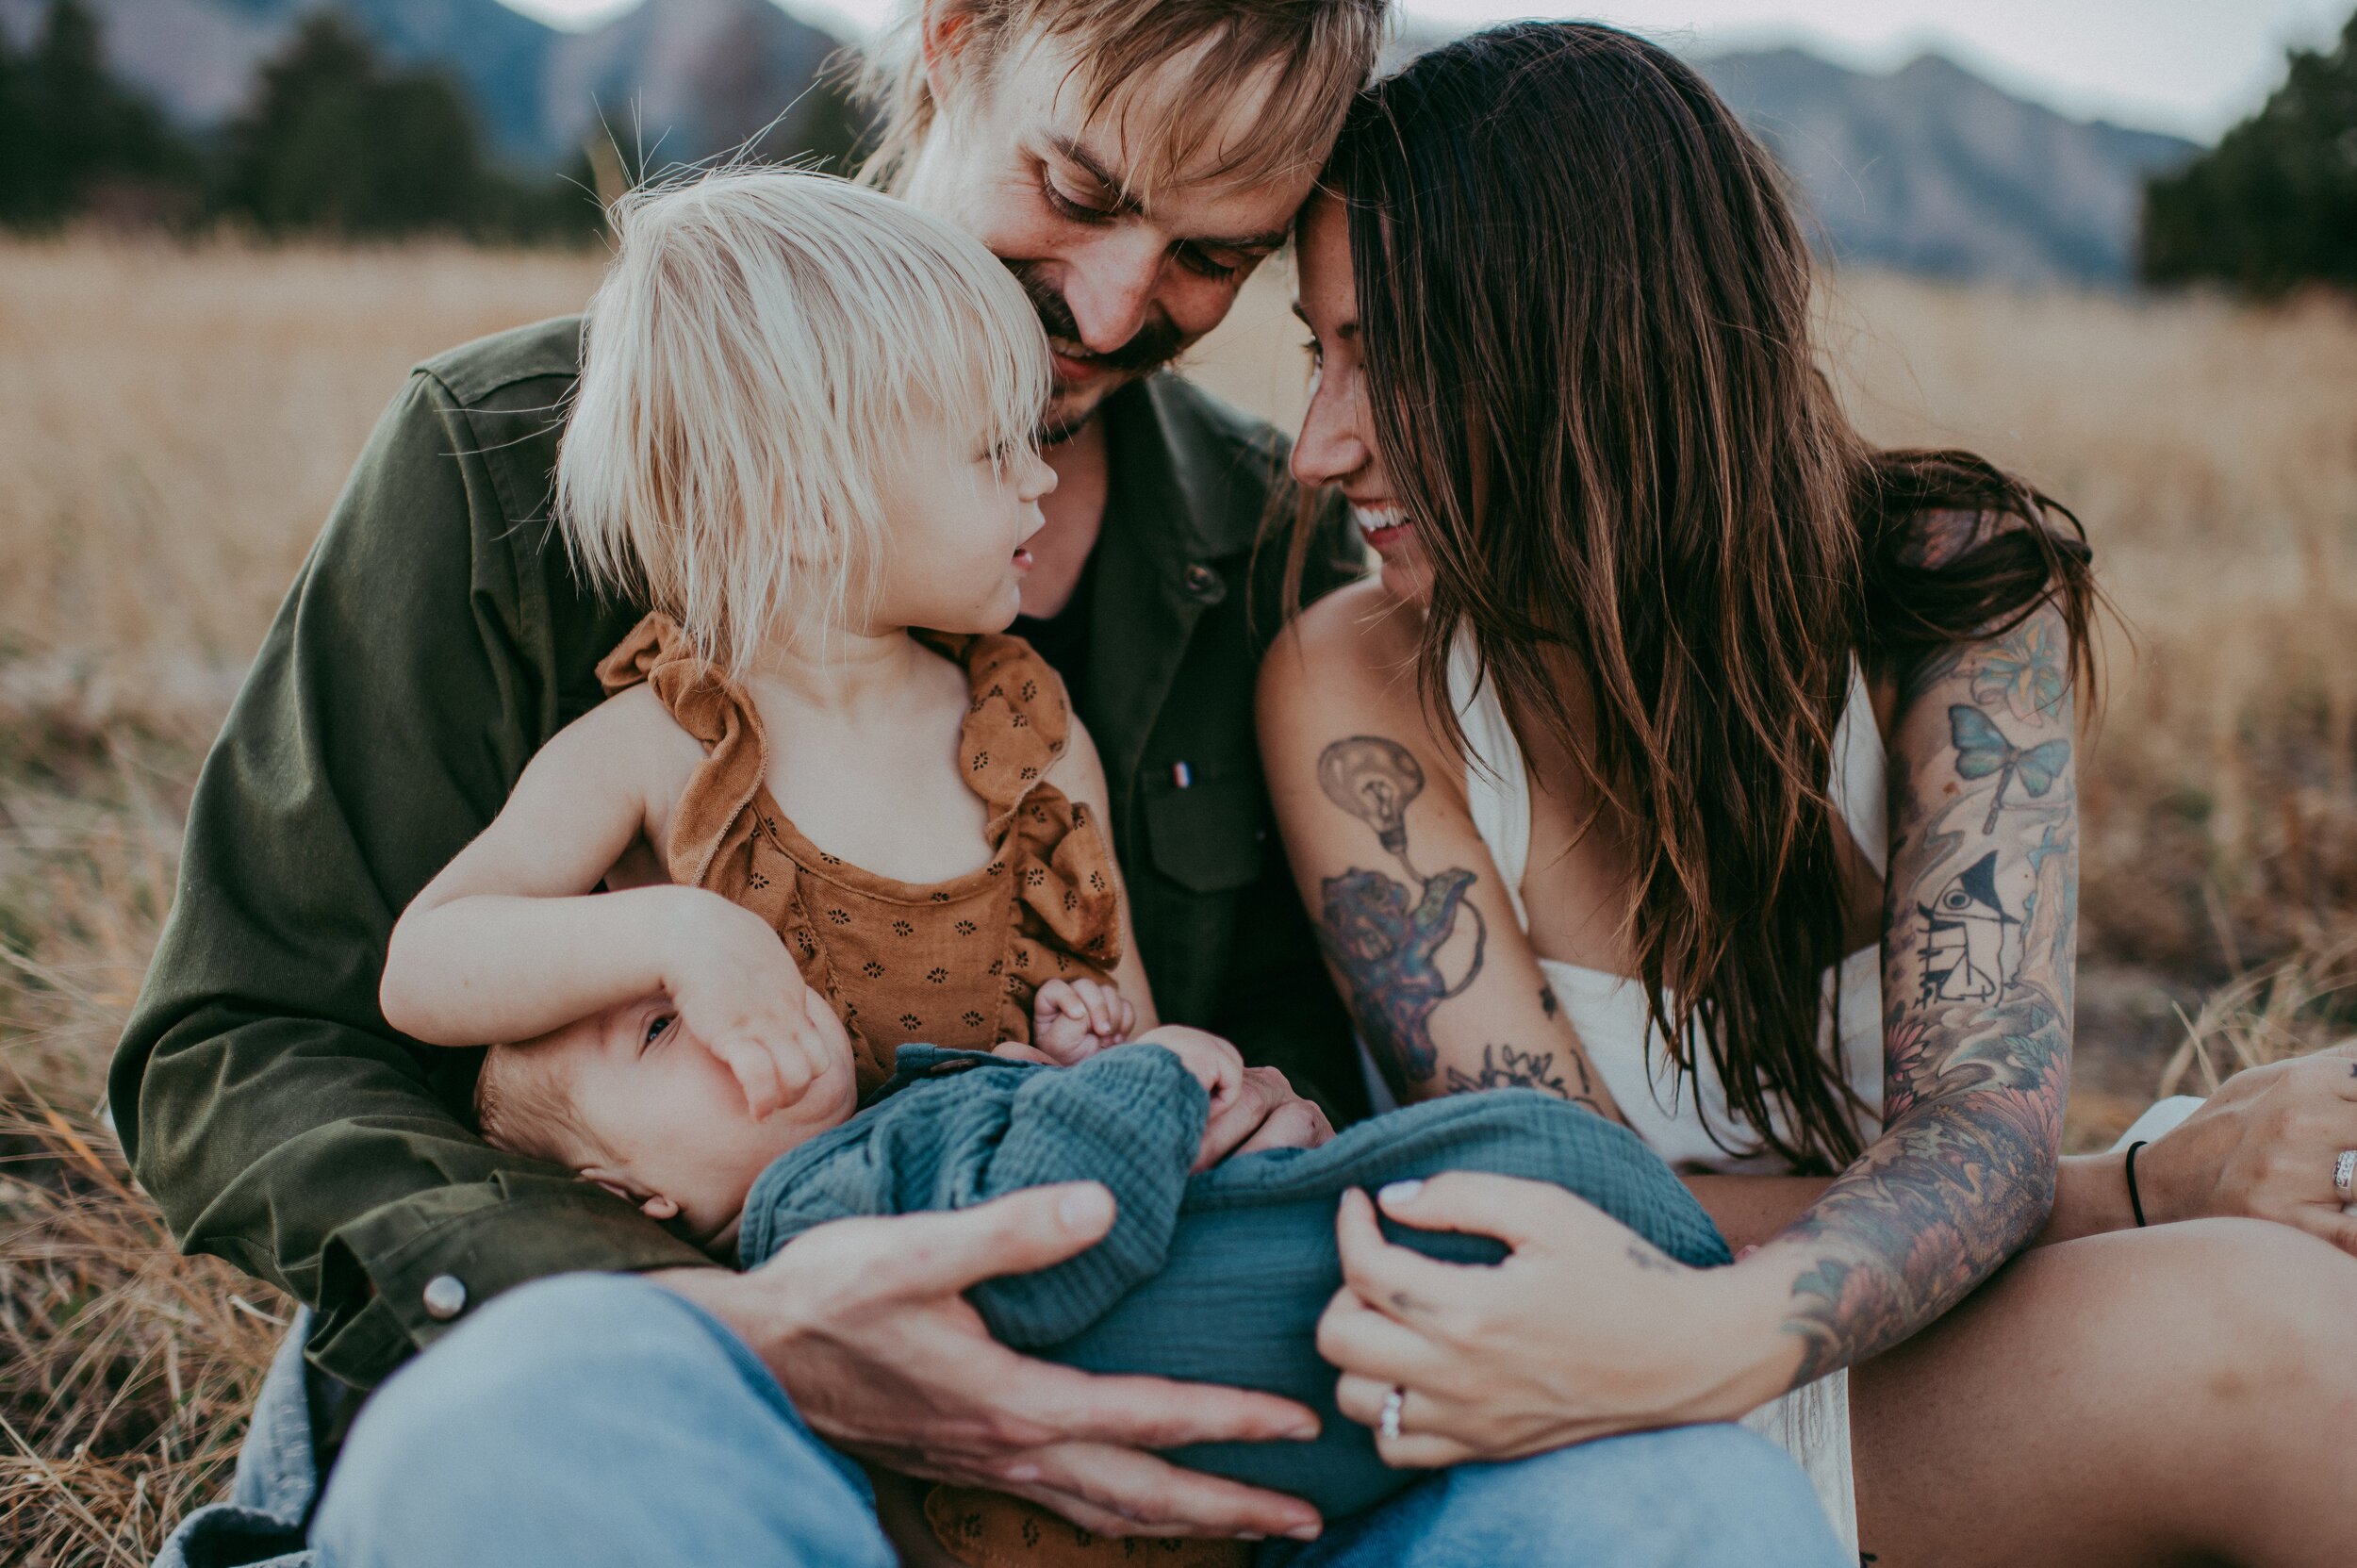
{"type": "Point", "coordinates": [1170, 142]}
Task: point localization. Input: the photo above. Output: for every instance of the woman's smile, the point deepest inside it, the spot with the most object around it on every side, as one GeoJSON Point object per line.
{"type": "Point", "coordinates": [1384, 527]}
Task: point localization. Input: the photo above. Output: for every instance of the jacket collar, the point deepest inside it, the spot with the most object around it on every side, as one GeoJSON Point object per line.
{"type": "Point", "coordinates": [1176, 517]}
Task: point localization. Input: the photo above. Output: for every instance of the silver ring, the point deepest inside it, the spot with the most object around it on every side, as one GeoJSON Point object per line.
{"type": "Point", "coordinates": [2344, 1172]}
{"type": "Point", "coordinates": [1388, 1426]}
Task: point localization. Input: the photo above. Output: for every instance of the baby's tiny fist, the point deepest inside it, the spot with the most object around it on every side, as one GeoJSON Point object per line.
{"type": "Point", "coordinates": [1061, 1028]}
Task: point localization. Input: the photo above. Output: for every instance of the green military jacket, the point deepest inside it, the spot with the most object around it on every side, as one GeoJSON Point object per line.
{"type": "Point", "coordinates": [434, 639]}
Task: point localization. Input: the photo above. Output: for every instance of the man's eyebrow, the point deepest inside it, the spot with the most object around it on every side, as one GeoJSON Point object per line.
{"type": "Point", "coordinates": [1126, 206]}
{"type": "Point", "coordinates": [1095, 168]}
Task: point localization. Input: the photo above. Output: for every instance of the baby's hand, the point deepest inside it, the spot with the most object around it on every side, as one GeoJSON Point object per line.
{"type": "Point", "coordinates": [739, 995]}
{"type": "Point", "coordinates": [1216, 1064]}
{"type": "Point", "coordinates": [1073, 1020]}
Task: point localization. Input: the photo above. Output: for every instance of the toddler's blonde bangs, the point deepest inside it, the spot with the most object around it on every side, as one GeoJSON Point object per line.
{"type": "Point", "coordinates": [762, 340]}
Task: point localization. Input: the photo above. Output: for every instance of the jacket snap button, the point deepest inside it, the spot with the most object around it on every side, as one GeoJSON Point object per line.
{"type": "Point", "coordinates": [445, 1298]}
{"type": "Point", "coordinates": [1205, 583]}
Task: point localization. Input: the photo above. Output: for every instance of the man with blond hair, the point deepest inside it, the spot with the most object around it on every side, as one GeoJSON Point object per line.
{"type": "Point", "coordinates": [1132, 161]}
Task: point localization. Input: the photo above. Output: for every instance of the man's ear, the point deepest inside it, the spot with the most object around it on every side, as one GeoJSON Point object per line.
{"type": "Point", "coordinates": [653, 1205]}
{"type": "Point", "coordinates": [944, 31]}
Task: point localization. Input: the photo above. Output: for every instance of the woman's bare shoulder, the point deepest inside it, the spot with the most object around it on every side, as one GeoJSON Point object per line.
{"type": "Point", "coordinates": [1356, 647]}
{"type": "Point", "coordinates": [1346, 670]}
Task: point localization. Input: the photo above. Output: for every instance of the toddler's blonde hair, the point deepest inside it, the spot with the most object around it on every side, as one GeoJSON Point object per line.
{"type": "Point", "coordinates": [762, 340]}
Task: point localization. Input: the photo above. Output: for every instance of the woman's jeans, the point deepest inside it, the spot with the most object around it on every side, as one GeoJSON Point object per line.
{"type": "Point", "coordinates": [597, 1421]}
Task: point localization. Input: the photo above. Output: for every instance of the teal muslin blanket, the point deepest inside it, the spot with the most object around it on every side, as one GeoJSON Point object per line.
{"type": "Point", "coordinates": [1214, 1277]}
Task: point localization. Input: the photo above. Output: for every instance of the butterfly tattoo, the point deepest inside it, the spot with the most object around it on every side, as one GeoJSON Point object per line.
{"type": "Point", "coordinates": [1982, 750]}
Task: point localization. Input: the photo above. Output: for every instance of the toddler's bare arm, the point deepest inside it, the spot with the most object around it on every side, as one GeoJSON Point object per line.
{"type": "Point", "coordinates": [511, 940]}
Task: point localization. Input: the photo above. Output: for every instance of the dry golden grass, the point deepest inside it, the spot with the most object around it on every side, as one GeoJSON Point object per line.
{"type": "Point", "coordinates": [174, 424]}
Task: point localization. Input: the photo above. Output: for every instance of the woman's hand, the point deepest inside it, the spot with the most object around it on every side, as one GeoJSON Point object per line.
{"type": "Point", "coordinates": [739, 995]}
{"type": "Point", "coordinates": [1584, 1331]}
{"type": "Point", "coordinates": [2262, 1147]}
{"type": "Point", "coordinates": [866, 1325]}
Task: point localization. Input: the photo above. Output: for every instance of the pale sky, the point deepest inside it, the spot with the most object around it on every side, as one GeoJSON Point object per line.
{"type": "Point", "coordinates": [2190, 66]}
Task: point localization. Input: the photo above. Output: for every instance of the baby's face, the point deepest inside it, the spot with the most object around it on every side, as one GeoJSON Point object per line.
{"type": "Point", "coordinates": [674, 1118]}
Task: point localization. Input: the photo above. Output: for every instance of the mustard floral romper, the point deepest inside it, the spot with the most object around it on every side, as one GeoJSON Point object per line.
{"type": "Point", "coordinates": [950, 963]}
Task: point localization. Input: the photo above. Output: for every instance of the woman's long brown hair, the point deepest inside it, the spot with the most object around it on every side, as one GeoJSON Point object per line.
{"type": "Point", "coordinates": [1583, 305]}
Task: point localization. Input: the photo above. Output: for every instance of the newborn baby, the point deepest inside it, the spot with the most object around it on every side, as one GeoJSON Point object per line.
{"type": "Point", "coordinates": [1215, 1275]}
{"type": "Point", "coordinates": [625, 1099]}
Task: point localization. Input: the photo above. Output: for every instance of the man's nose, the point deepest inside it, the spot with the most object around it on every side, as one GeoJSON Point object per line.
{"type": "Point", "coordinates": [1110, 288]}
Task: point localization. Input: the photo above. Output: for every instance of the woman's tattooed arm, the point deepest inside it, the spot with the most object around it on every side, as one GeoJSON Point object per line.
{"type": "Point", "coordinates": [1979, 938]}
{"type": "Point", "coordinates": [1384, 936]}
{"type": "Point", "coordinates": [1419, 929]}
{"type": "Point", "coordinates": [1404, 944]}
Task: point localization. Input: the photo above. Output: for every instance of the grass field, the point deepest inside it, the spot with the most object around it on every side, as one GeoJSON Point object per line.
{"type": "Point", "coordinates": [174, 424]}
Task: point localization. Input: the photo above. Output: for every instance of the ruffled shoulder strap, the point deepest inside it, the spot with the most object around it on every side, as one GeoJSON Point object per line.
{"type": "Point", "coordinates": [1016, 720]}
{"type": "Point", "coordinates": [712, 808]}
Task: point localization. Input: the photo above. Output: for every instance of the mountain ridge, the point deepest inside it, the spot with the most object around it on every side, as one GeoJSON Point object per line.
{"type": "Point", "coordinates": [1927, 167]}
{"type": "Point", "coordinates": [1932, 169]}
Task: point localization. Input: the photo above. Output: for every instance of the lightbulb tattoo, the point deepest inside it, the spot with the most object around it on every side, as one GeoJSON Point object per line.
{"type": "Point", "coordinates": [1382, 935]}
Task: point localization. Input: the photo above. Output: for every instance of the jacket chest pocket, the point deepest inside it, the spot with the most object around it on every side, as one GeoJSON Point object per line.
{"type": "Point", "coordinates": [1208, 837]}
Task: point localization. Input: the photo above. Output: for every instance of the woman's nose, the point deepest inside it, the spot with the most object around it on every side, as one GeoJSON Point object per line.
{"type": "Point", "coordinates": [1330, 447]}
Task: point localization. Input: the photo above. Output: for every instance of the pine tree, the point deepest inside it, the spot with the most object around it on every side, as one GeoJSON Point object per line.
{"type": "Point", "coordinates": [2275, 204]}
{"type": "Point", "coordinates": [333, 141]}
{"type": "Point", "coordinates": [70, 133]}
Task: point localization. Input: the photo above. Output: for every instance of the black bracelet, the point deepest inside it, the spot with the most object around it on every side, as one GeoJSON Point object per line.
{"type": "Point", "coordinates": [2133, 1202]}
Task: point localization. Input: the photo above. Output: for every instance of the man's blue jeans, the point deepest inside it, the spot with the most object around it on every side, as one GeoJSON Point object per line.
{"type": "Point", "coordinates": [597, 1420]}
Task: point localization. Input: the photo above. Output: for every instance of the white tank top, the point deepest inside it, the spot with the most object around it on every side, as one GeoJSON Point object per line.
{"type": "Point", "coordinates": [1677, 1114]}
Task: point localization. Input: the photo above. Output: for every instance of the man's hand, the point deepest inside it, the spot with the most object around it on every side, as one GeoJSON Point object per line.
{"type": "Point", "coordinates": [865, 1323]}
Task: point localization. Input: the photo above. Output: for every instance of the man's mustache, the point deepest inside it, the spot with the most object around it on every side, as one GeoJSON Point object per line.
{"type": "Point", "coordinates": [1155, 344]}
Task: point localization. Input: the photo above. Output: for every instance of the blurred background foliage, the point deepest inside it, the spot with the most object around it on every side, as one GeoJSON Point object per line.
{"type": "Point", "coordinates": [336, 138]}
{"type": "Point", "coordinates": [2275, 205]}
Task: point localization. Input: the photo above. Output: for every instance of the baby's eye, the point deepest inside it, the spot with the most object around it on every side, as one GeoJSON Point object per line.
{"type": "Point", "coordinates": [657, 1027]}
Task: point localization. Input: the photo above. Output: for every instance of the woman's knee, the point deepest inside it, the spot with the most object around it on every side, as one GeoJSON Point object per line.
{"type": "Point", "coordinates": [2265, 1307]}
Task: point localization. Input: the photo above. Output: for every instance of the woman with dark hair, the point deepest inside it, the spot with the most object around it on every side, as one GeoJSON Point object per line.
{"type": "Point", "coordinates": [1692, 758]}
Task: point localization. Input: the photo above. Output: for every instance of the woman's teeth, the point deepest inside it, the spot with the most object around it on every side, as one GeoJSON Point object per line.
{"type": "Point", "coordinates": [1378, 522]}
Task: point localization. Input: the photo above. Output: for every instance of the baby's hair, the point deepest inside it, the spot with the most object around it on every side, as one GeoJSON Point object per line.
{"type": "Point", "coordinates": [762, 340]}
{"type": "Point", "coordinates": [523, 1105]}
